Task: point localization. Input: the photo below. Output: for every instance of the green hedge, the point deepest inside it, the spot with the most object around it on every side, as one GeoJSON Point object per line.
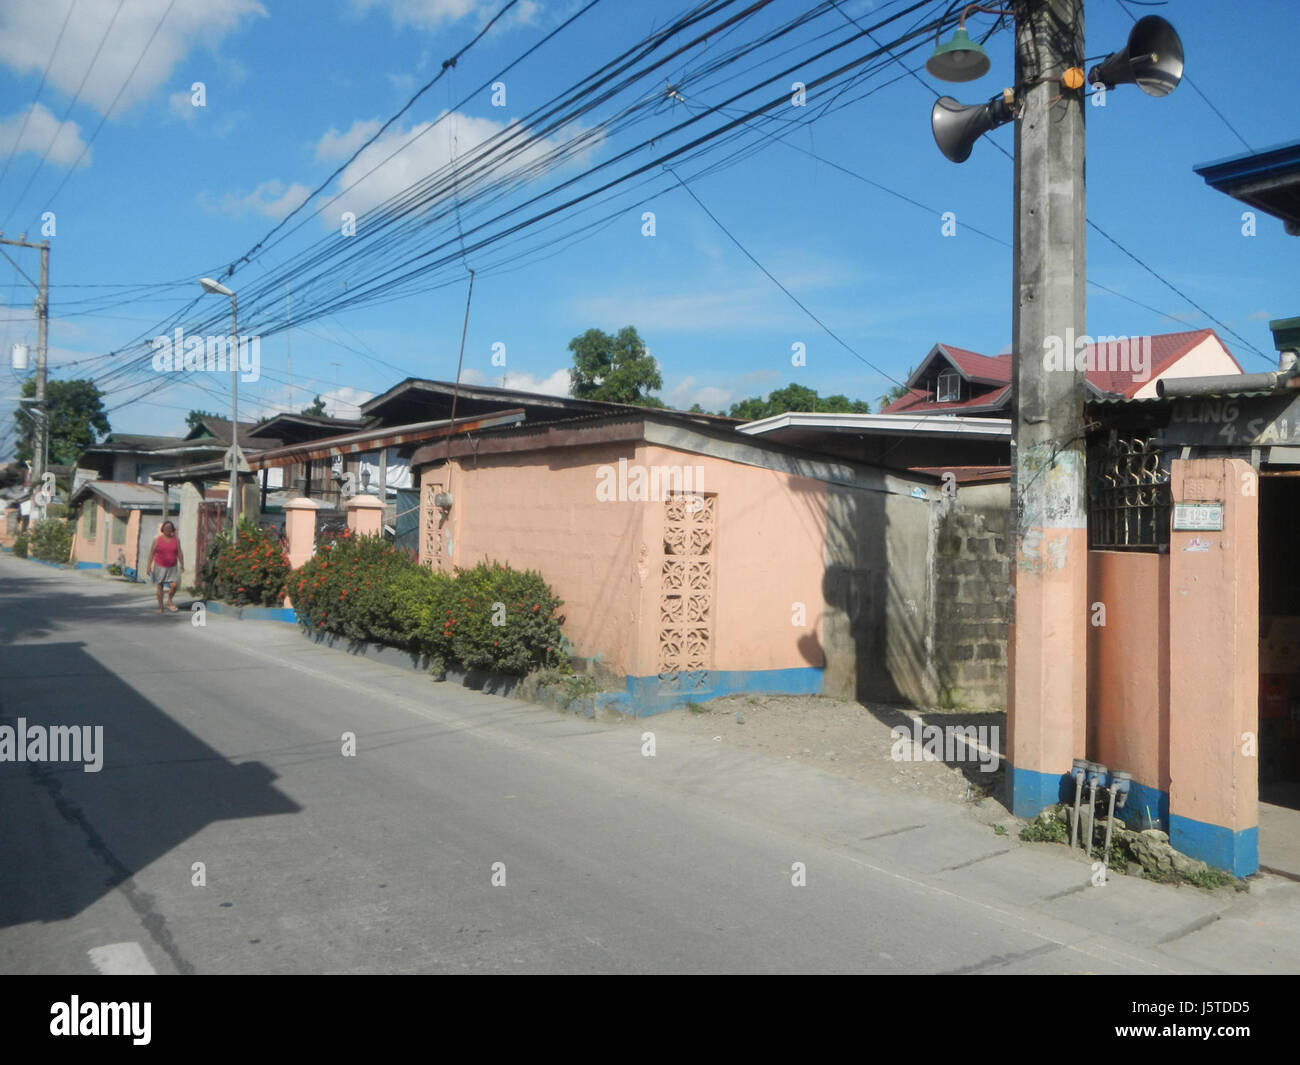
{"type": "Point", "coordinates": [20, 545]}
{"type": "Point", "coordinates": [489, 617]}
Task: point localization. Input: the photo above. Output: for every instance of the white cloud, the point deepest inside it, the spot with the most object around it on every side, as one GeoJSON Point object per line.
{"type": "Point", "coordinates": [335, 146]}
{"type": "Point", "coordinates": [36, 130]}
{"type": "Point", "coordinates": [430, 14]}
{"type": "Point", "coordinates": [28, 33]}
{"type": "Point", "coordinates": [271, 198]}
{"type": "Point", "coordinates": [556, 384]}
{"type": "Point", "coordinates": [689, 391]}
{"type": "Point", "coordinates": [345, 402]}
{"type": "Point", "coordinates": [419, 152]}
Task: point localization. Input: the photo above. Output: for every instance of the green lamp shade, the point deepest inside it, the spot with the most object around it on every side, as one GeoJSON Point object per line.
{"type": "Point", "coordinates": [961, 59]}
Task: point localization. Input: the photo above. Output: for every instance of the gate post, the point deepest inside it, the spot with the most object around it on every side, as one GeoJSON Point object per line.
{"type": "Point", "coordinates": [1214, 668]}
{"type": "Point", "coordinates": [300, 530]}
{"type": "Point", "coordinates": [187, 528]}
{"type": "Point", "coordinates": [365, 515]}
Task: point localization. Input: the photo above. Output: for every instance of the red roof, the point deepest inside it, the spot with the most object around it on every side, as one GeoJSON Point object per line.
{"type": "Point", "coordinates": [1166, 349]}
{"type": "Point", "coordinates": [917, 401]}
{"type": "Point", "coordinates": [983, 369]}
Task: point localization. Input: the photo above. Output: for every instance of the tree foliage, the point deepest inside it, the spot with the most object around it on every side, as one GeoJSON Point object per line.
{"type": "Point", "coordinates": [77, 419]}
{"type": "Point", "coordinates": [317, 408]}
{"type": "Point", "coordinates": [896, 393]}
{"type": "Point", "coordinates": [194, 419]}
{"type": "Point", "coordinates": [615, 369]}
{"type": "Point", "coordinates": [797, 398]}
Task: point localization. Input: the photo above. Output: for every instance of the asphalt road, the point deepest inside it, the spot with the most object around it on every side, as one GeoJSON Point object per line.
{"type": "Point", "coordinates": [223, 745]}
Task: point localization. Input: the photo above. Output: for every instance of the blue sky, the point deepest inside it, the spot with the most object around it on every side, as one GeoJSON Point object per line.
{"type": "Point", "coordinates": [147, 188]}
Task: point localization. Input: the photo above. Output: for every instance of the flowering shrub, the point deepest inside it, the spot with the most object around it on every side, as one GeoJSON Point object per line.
{"type": "Point", "coordinates": [488, 617]}
{"type": "Point", "coordinates": [362, 588]}
{"type": "Point", "coordinates": [249, 572]}
{"type": "Point", "coordinates": [503, 619]}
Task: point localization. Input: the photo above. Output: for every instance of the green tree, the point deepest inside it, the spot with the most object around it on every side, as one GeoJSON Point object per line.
{"type": "Point", "coordinates": [75, 410]}
{"type": "Point", "coordinates": [616, 369]}
{"type": "Point", "coordinates": [195, 418]}
{"type": "Point", "coordinates": [896, 393]}
{"type": "Point", "coordinates": [317, 407]}
{"type": "Point", "coordinates": [798, 398]}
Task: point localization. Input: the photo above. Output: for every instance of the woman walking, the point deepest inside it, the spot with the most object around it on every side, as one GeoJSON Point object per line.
{"type": "Point", "coordinates": [165, 554]}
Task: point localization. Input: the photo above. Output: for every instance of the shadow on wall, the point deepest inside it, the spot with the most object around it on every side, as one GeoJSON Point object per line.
{"type": "Point", "coordinates": [876, 589]}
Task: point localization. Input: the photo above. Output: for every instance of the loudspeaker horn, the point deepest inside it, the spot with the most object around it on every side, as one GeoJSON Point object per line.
{"type": "Point", "coordinates": [958, 126]}
{"type": "Point", "coordinates": [1153, 60]}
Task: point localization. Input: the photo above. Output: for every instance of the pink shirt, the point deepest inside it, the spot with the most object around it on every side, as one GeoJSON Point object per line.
{"type": "Point", "coordinates": [164, 551]}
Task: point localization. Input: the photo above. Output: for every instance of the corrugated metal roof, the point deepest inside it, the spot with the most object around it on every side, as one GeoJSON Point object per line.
{"type": "Point", "coordinates": [125, 495]}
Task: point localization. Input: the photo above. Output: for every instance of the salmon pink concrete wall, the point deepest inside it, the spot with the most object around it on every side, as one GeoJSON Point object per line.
{"type": "Point", "coordinates": [604, 558]}
{"type": "Point", "coordinates": [131, 549]}
{"type": "Point", "coordinates": [89, 550]}
{"type": "Point", "coordinates": [538, 510]}
{"type": "Point", "coordinates": [1214, 668]}
{"type": "Point", "coordinates": [1128, 665]}
{"type": "Point", "coordinates": [768, 561]}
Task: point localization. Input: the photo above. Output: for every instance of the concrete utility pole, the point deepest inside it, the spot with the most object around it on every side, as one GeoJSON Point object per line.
{"type": "Point", "coordinates": [41, 441]}
{"type": "Point", "coordinates": [1047, 645]}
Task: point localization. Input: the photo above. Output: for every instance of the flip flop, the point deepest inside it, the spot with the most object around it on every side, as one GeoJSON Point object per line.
{"type": "Point", "coordinates": [173, 608]}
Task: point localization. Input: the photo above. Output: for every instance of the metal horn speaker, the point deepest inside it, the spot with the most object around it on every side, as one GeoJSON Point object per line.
{"type": "Point", "coordinates": [1153, 59]}
{"type": "Point", "coordinates": [958, 126]}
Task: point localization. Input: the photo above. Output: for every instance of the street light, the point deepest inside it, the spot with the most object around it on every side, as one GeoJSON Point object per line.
{"type": "Point", "coordinates": [961, 59]}
{"type": "Point", "coordinates": [218, 289]}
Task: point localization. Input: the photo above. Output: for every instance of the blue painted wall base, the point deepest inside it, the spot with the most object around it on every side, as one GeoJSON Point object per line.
{"type": "Point", "coordinates": [645, 696]}
{"type": "Point", "coordinates": [254, 613]}
{"type": "Point", "coordinates": [1033, 792]}
{"type": "Point", "coordinates": [1221, 847]}
{"type": "Point", "coordinates": [1147, 807]}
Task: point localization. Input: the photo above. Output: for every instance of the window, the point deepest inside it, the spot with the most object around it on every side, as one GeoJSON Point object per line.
{"type": "Point", "coordinates": [90, 519]}
{"type": "Point", "coordinates": [949, 386]}
{"type": "Point", "coordinates": [119, 530]}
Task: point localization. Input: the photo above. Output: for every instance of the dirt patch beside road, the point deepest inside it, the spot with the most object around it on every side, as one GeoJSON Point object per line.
{"type": "Point", "coordinates": [852, 740]}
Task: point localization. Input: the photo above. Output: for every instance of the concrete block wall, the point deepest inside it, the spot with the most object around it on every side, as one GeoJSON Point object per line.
{"type": "Point", "coordinates": [972, 597]}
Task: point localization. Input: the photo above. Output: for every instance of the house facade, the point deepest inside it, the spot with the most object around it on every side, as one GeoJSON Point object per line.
{"type": "Point", "coordinates": [114, 522]}
{"type": "Point", "coordinates": [696, 562]}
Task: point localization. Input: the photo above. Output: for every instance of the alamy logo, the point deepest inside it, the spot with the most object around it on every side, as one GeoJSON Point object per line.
{"type": "Point", "coordinates": [208, 354]}
{"type": "Point", "coordinates": [950, 743]}
{"type": "Point", "coordinates": [1130, 355]}
{"type": "Point", "coordinates": [102, 1018]}
{"type": "Point", "coordinates": [56, 743]}
{"type": "Point", "coordinates": [648, 484]}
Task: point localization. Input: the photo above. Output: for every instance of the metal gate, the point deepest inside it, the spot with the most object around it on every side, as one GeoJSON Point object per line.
{"type": "Point", "coordinates": [212, 518]}
{"type": "Point", "coordinates": [330, 525]}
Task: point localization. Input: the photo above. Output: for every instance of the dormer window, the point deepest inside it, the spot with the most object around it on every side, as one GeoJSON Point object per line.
{"type": "Point", "coordinates": [949, 386]}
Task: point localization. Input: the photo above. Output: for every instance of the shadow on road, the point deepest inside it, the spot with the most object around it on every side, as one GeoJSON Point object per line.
{"type": "Point", "coordinates": [67, 836]}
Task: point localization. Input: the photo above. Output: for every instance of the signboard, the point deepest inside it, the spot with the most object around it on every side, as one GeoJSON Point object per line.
{"type": "Point", "coordinates": [234, 459]}
{"type": "Point", "coordinates": [1233, 421]}
{"type": "Point", "coordinates": [1198, 517]}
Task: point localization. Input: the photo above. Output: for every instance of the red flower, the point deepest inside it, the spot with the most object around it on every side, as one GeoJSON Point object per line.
{"type": "Point", "coordinates": [534, 608]}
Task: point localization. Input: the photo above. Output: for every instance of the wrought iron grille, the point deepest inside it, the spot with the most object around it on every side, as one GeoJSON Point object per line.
{"type": "Point", "coordinates": [330, 525]}
{"type": "Point", "coordinates": [1128, 494]}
